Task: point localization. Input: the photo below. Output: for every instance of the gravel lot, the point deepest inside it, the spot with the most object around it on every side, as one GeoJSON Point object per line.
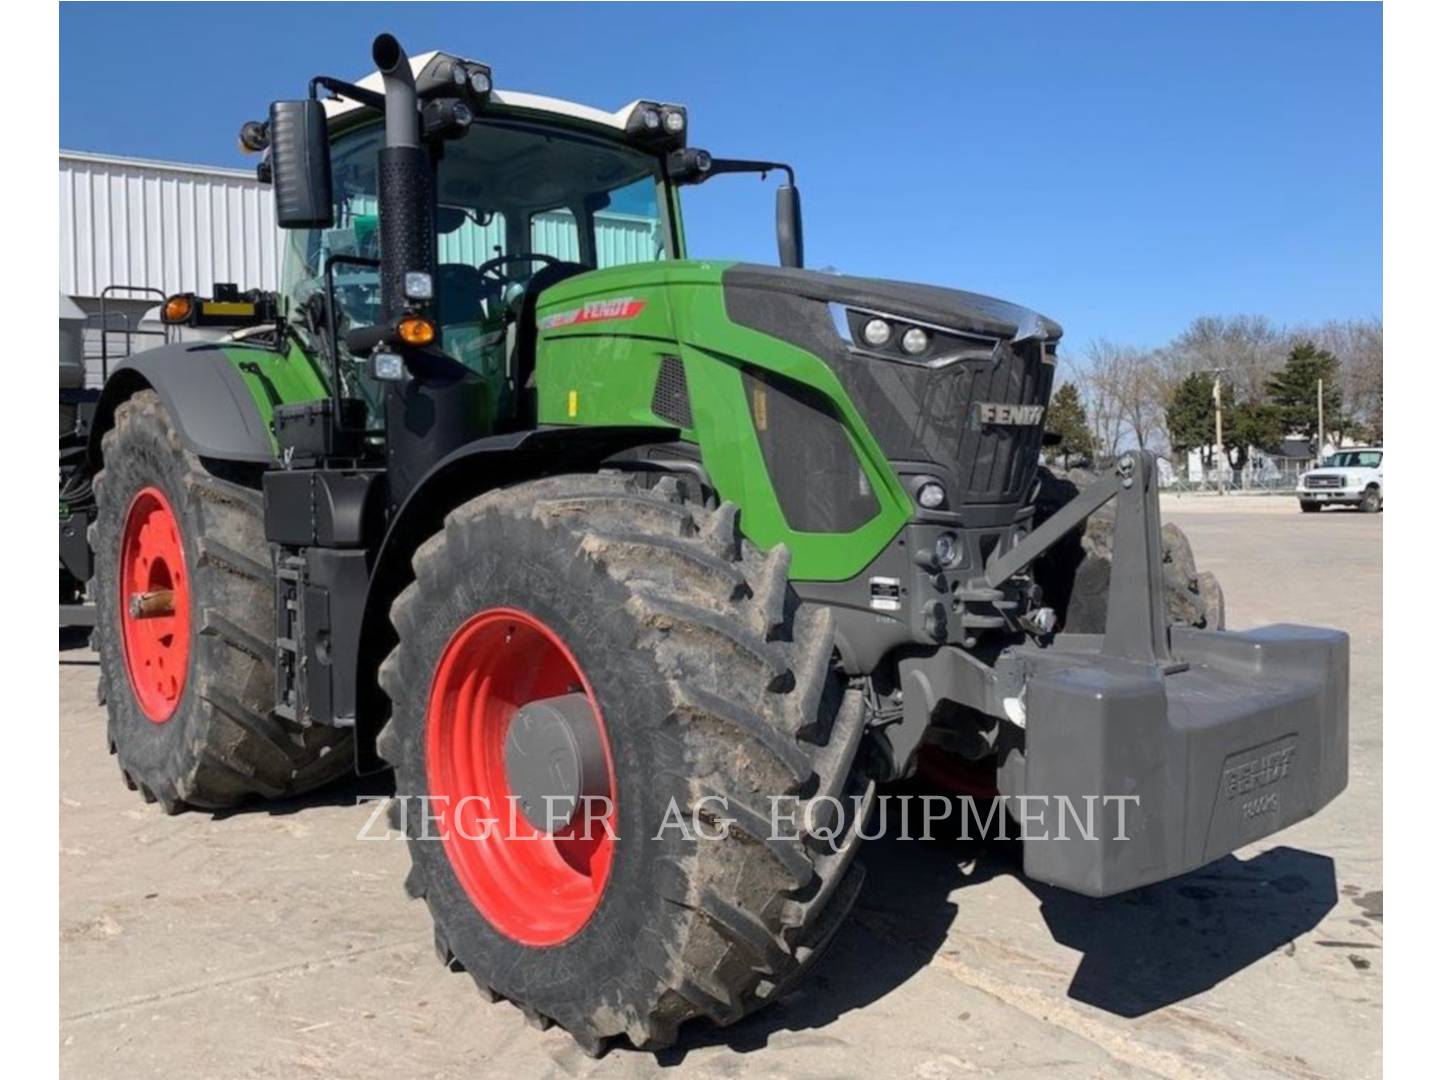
{"type": "Point", "coordinates": [274, 943]}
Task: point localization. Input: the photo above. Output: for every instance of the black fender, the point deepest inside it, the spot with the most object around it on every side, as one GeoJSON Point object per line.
{"type": "Point", "coordinates": [477, 467]}
{"type": "Point", "coordinates": [204, 394]}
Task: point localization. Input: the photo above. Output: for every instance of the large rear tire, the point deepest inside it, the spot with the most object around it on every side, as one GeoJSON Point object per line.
{"type": "Point", "coordinates": [189, 692]}
{"type": "Point", "coordinates": [716, 692]}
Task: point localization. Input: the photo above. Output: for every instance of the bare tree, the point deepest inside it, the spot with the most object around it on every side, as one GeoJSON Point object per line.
{"type": "Point", "coordinates": [1098, 376]}
{"type": "Point", "coordinates": [1143, 393]}
{"type": "Point", "coordinates": [1123, 389]}
{"type": "Point", "coordinates": [1360, 347]}
{"type": "Point", "coordinates": [1249, 347]}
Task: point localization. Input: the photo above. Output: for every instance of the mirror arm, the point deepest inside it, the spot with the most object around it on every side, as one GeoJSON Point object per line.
{"type": "Point", "coordinates": [340, 88]}
{"type": "Point", "coordinates": [740, 165]}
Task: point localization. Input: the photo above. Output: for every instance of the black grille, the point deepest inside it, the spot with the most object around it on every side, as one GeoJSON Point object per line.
{"type": "Point", "coordinates": [671, 398]}
{"type": "Point", "coordinates": [936, 414]}
{"type": "Point", "coordinates": [917, 413]}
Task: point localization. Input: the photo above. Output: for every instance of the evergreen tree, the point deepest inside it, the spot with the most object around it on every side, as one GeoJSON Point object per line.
{"type": "Point", "coordinates": [1251, 423]}
{"type": "Point", "coordinates": [1294, 388]}
{"type": "Point", "coordinates": [1190, 415]}
{"type": "Point", "coordinates": [1066, 420]}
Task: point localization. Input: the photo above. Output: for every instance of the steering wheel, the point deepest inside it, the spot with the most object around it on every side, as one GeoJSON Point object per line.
{"type": "Point", "coordinates": [491, 268]}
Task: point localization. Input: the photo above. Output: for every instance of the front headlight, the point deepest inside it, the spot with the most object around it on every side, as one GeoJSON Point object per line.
{"type": "Point", "coordinates": [915, 341]}
{"type": "Point", "coordinates": [876, 332]}
{"type": "Point", "coordinates": [888, 336]}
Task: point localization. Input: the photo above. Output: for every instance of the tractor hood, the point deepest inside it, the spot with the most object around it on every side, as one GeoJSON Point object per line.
{"type": "Point", "coordinates": [951, 308]}
{"type": "Point", "coordinates": [970, 401]}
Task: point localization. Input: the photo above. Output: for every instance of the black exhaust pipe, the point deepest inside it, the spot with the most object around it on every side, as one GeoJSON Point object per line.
{"type": "Point", "coordinates": [407, 189]}
{"type": "Point", "coordinates": [402, 115]}
{"type": "Point", "coordinates": [440, 405]}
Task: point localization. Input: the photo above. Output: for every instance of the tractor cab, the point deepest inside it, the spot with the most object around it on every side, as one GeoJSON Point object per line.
{"type": "Point", "coordinates": [527, 191]}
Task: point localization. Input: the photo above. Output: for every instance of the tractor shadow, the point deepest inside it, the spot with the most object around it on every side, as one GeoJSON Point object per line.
{"type": "Point", "coordinates": [1155, 946]}
{"type": "Point", "coordinates": [347, 790]}
{"type": "Point", "coordinates": [75, 647]}
{"type": "Point", "coordinates": [1141, 951]}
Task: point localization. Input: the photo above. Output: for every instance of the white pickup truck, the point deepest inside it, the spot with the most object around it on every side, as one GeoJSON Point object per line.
{"type": "Point", "coordinates": [1351, 477]}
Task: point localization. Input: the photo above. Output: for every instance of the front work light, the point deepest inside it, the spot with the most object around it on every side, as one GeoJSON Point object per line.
{"type": "Point", "coordinates": [387, 366]}
{"type": "Point", "coordinates": [946, 548]}
{"type": "Point", "coordinates": [653, 123]}
{"type": "Point", "coordinates": [931, 495]}
{"type": "Point", "coordinates": [419, 285]}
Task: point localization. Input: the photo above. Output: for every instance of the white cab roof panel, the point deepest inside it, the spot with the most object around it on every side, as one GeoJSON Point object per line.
{"type": "Point", "coordinates": [508, 98]}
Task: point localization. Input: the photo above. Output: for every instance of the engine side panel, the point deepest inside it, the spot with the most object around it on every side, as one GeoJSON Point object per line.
{"type": "Point", "coordinates": [618, 344]}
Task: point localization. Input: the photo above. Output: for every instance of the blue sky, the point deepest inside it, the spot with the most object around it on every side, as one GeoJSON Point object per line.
{"type": "Point", "coordinates": [1121, 168]}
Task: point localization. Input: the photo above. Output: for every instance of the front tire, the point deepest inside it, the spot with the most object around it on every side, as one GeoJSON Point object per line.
{"type": "Point", "coordinates": [189, 690]}
{"type": "Point", "coordinates": [1309, 506]}
{"type": "Point", "coordinates": [717, 693]}
{"type": "Point", "coordinates": [1370, 502]}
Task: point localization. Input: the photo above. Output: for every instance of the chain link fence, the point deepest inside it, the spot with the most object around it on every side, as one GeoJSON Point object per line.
{"type": "Point", "coordinates": [1261, 475]}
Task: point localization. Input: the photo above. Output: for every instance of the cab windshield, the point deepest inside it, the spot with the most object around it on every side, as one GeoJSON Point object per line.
{"type": "Point", "coordinates": [1354, 459]}
{"type": "Point", "coordinates": [512, 199]}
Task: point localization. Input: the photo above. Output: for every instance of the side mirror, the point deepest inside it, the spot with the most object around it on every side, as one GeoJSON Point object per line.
{"type": "Point", "coordinates": [789, 233]}
{"type": "Point", "coordinates": [300, 165]}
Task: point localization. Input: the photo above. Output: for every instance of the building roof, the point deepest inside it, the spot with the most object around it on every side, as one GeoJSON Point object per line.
{"type": "Point", "coordinates": [118, 161]}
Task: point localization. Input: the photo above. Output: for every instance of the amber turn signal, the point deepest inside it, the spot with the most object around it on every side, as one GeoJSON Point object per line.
{"type": "Point", "coordinates": [416, 331]}
{"type": "Point", "coordinates": [177, 309]}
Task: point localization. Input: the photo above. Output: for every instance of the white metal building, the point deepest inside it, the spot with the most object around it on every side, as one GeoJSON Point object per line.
{"type": "Point", "coordinates": [161, 225]}
{"type": "Point", "coordinates": [128, 221]}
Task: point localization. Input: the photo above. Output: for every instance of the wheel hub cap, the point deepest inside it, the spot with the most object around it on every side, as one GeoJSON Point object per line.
{"type": "Point", "coordinates": [554, 760]}
{"type": "Point", "coordinates": [154, 604]}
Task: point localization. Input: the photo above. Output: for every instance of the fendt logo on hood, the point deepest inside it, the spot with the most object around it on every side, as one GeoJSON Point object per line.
{"type": "Point", "coordinates": [610, 310]}
{"type": "Point", "coordinates": [1016, 415]}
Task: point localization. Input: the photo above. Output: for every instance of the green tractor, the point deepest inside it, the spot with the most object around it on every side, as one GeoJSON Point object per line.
{"type": "Point", "coordinates": [644, 572]}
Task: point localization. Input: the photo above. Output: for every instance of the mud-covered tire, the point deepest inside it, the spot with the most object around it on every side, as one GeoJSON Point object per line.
{"type": "Point", "coordinates": [1075, 573]}
{"type": "Point", "coordinates": [221, 747]}
{"type": "Point", "coordinates": [712, 681]}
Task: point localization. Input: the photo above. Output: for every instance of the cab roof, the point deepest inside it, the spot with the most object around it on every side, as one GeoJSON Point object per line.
{"type": "Point", "coordinates": [510, 99]}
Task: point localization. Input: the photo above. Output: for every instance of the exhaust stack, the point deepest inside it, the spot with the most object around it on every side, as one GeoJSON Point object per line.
{"type": "Point", "coordinates": [438, 406]}
{"type": "Point", "coordinates": [406, 187]}
{"type": "Point", "coordinates": [402, 115]}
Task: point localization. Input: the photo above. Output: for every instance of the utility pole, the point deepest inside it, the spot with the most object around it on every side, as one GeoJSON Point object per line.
{"type": "Point", "coordinates": [1219, 433]}
{"type": "Point", "coordinates": [1320, 427]}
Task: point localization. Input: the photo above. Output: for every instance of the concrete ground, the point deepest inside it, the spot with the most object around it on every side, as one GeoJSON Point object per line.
{"type": "Point", "coordinates": [274, 943]}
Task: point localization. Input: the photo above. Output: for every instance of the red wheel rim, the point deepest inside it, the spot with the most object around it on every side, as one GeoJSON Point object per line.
{"type": "Point", "coordinates": [535, 889]}
{"type": "Point", "coordinates": [157, 646]}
